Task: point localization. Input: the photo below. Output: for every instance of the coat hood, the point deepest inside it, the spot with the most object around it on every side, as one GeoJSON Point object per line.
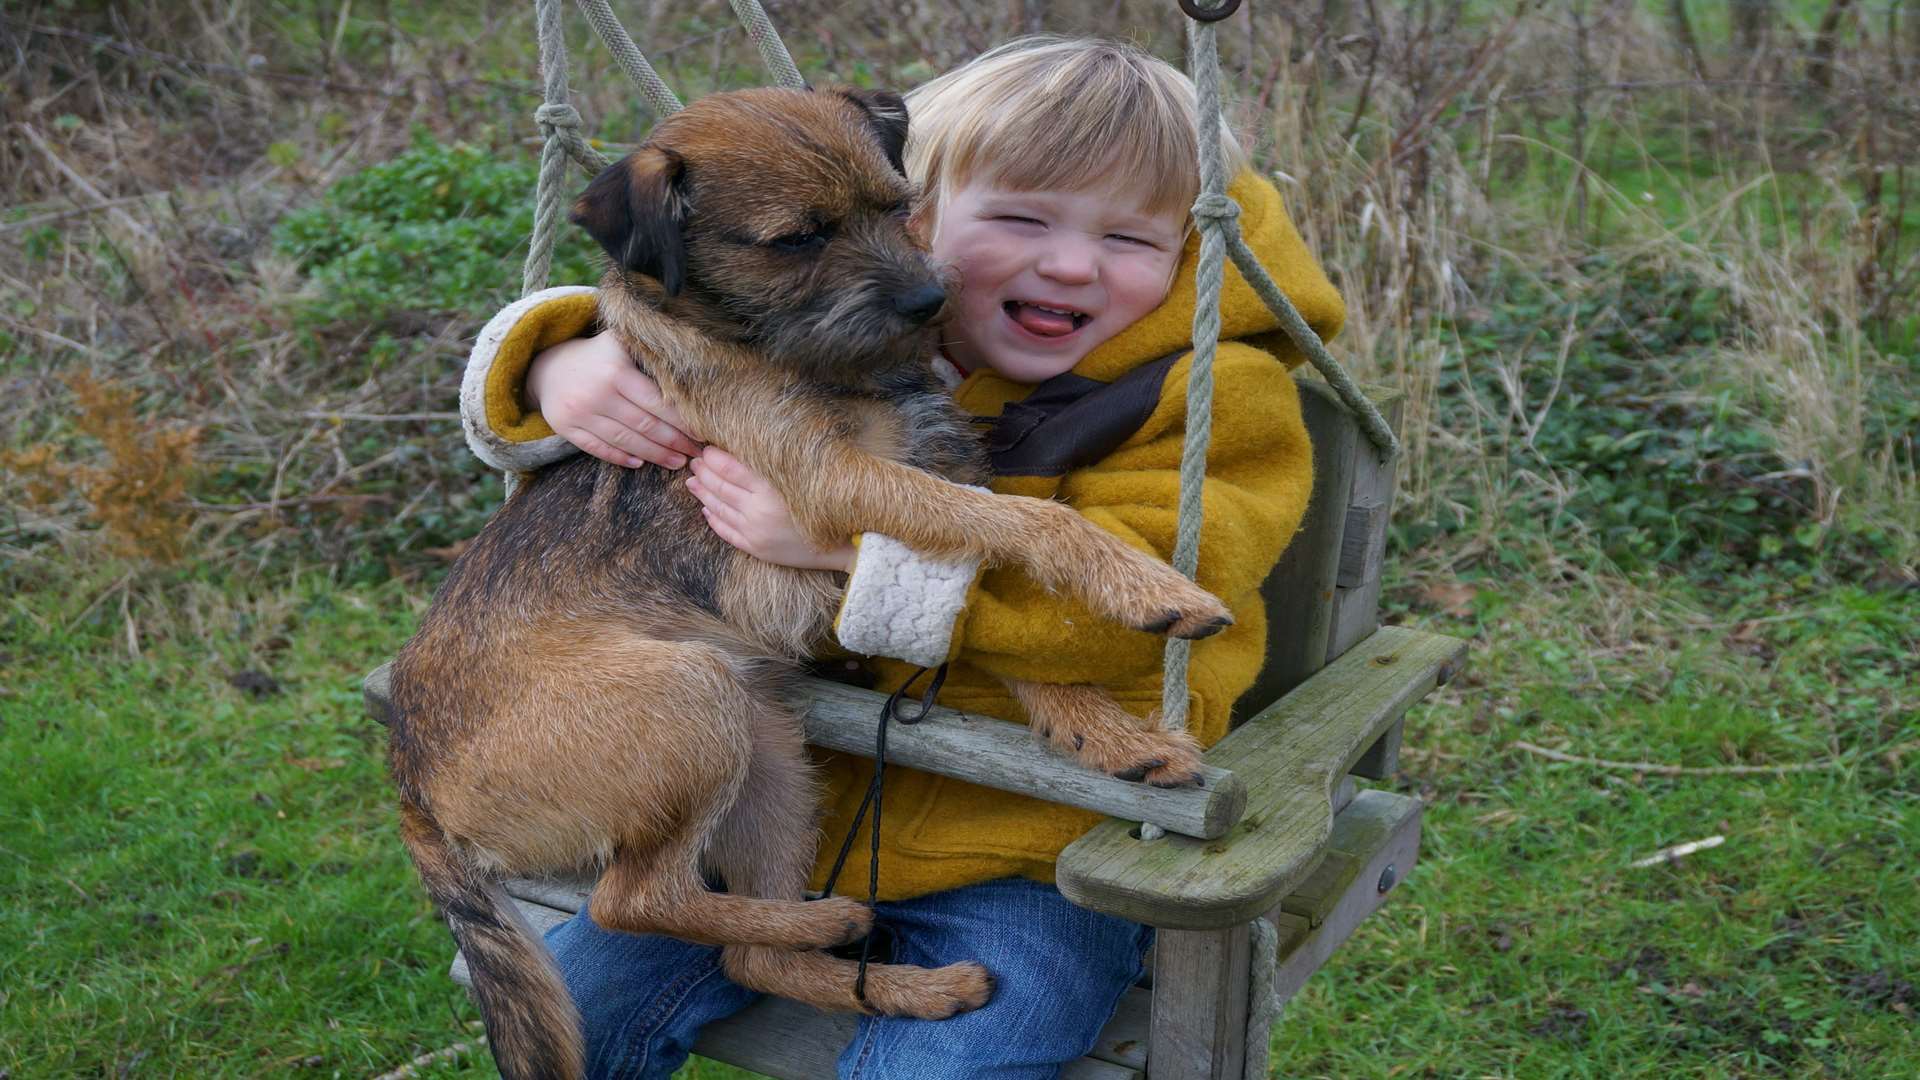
{"type": "Point", "coordinates": [1243, 315]}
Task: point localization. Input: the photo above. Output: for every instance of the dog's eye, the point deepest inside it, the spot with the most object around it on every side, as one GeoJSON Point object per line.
{"type": "Point", "coordinates": [809, 240]}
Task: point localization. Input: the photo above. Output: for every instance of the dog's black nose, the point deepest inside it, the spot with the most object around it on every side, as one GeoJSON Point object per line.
{"type": "Point", "coordinates": [920, 304]}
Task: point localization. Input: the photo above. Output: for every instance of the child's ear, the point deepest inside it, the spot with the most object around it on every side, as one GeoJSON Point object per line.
{"type": "Point", "coordinates": [887, 116]}
{"type": "Point", "coordinates": [637, 211]}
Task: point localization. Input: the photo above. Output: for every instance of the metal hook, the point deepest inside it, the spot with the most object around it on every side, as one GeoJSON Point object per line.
{"type": "Point", "coordinates": [1198, 13]}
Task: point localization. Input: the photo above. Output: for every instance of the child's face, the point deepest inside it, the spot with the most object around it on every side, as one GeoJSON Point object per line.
{"type": "Point", "coordinates": [1045, 276]}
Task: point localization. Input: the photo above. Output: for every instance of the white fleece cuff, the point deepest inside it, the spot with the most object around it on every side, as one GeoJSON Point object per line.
{"type": "Point", "coordinates": [487, 444]}
{"type": "Point", "coordinates": [902, 604]}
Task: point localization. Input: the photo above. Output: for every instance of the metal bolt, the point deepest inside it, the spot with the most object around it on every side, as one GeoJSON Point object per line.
{"type": "Point", "coordinates": [1388, 879]}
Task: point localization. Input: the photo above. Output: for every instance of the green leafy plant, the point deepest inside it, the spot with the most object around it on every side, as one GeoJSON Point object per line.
{"type": "Point", "coordinates": [442, 228]}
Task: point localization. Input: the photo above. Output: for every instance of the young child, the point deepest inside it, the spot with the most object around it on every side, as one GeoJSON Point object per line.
{"type": "Point", "coordinates": [1056, 178]}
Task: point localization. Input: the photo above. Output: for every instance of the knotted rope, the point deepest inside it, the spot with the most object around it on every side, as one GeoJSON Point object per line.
{"type": "Point", "coordinates": [1217, 218]}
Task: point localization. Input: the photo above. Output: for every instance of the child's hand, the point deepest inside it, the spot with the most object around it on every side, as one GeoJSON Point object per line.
{"type": "Point", "coordinates": [595, 398]}
{"type": "Point", "coordinates": [745, 511]}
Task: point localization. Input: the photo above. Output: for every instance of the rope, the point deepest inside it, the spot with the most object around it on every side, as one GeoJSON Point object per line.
{"type": "Point", "coordinates": [875, 796]}
{"type": "Point", "coordinates": [1217, 218]}
{"type": "Point", "coordinates": [1378, 431]}
{"type": "Point", "coordinates": [560, 123]}
{"type": "Point", "coordinates": [659, 98]}
{"type": "Point", "coordinates": [765, 38]}
{"type": "Point", "coordinates": [1215, 214]}
{"type": "Point", "coordinates": [1263, 1005]}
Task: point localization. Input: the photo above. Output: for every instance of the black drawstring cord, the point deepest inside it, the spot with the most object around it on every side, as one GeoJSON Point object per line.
{"type": "Point", "coordinates": [874, 798]}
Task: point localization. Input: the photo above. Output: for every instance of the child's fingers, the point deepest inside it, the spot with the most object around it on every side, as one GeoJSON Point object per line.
{"type": "Point", "coordinates": [644, 410]}
{"type": "Point", "coordinates": [716, 506]}
{"type": "Point", "coordinates": [733, 469]}
{"type": "Point", "coordinates": [722, 489]}
{"type": "Point", "coordinates": [590, 443]}
{"type": "Point", "coordinates": [724, 530]}
{"type": "Point", "coordinates": [634, 446]}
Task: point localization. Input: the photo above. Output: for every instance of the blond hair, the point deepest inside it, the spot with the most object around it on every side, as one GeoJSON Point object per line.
{"type": "Point", "coordinates": [1046, 113]}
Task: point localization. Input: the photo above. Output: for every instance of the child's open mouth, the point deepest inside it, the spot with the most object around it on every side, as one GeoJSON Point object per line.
{"type": "Point", "coordinates": [1045, 321]}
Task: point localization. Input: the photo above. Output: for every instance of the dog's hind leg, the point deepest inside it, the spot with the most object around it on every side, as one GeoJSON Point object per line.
{"type": "Point", "coordinates": [827, 982]}
{"type": "Point", "coordinates": [758, 833]}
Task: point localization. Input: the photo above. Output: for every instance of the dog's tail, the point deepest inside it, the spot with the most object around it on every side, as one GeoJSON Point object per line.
{"type": "Point", "coordinates": [532, 1024]}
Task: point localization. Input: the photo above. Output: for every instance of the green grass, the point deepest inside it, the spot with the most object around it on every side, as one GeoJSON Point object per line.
{"type": "Point", "coordinates": [206, 882]}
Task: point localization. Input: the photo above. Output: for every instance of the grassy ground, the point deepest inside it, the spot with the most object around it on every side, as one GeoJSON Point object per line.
{"type": "Point", "coordinates": [204, 877]}
{"type": "Point", "coordinates": [1660, 470]}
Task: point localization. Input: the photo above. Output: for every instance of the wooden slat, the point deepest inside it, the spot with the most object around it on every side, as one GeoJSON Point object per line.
{"type": "Point", "coordinates": [1001, 755]}
{"type": "Point", "coordinates": [1356, 615]}
{"type": "Point", "coordinates": [1379, 830]}
{"type": "Point", "coordinates": [1382, 759]}
{"type": "Point", "coordinates": [1299, 590]}
{"type": "Point", "coordinates": [377, 691]}
{"type": "Point", "coordinates": [1198, 1030]}
{"type": "Point", "coordinates": [985, 751]}
{"type": "Point", "coordinates": [1292, 758]}
{"type": "Point", "coordinates": [539, 916]}
{"type": "Point", "coordinates": [1363, 543]}
{"type": "Point", "coordinates": [790, 1041]}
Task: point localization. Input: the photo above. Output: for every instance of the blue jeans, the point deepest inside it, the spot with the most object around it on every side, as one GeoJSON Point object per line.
{"type": "Point", "coordinates": [1059, 971]}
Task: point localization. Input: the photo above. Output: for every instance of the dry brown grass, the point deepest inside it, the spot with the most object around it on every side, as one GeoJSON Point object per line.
{"type": "Point", "coordinates": [1429, 151]}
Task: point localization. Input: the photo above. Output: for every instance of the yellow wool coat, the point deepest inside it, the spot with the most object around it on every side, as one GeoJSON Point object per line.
{"type": "Point", "coordinates": [941, 833]}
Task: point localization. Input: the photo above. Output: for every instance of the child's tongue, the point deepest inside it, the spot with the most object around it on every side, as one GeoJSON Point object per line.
{"type": "Point", "coordinates": [1044, 323]}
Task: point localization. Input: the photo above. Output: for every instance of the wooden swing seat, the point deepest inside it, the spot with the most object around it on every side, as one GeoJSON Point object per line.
{"type": "Point", "coordinates": [1278, 829]}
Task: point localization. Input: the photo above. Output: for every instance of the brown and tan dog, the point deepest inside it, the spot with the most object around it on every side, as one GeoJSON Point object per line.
{"type": "Point", "coordinates": [600, 681]}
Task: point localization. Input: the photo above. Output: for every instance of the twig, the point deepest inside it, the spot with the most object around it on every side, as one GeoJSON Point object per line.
{"type": "Point", "coordinates": [76, 211]}
{"type": "Point", "coordinates": [280, 504]}
{"type": "Point", "coordinates": [390, 418]}
{"type": "Point", "coordinates": [412, 1068]}
{"type": "Point", "coordinates": [1677, 852]}
{"type": "Point", "coordinates": [100, 199]}
{"type": "Point", "coordinates": [1659, 769]}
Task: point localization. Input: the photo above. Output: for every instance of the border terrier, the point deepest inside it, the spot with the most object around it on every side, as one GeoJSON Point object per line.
{"type": "Point", "coordinates": [602, 682]}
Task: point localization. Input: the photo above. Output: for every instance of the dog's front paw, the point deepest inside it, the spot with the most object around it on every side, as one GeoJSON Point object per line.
{"type": "Point", "coordinates": [1152, 596]}
{"type": "Point", "coordinates": [1133, 750]}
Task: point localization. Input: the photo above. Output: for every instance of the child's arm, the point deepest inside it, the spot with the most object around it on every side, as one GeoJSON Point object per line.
{"type": "Point", "coordinates": [535, 390]}
{"type": "Point", "coordinates": [1259, 479]}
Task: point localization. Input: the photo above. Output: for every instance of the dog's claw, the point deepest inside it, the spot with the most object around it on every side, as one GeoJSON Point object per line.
{"type": "Point", "coordinates": [1079, 742]}
{"type": "Point", "coordinates": [1162, 624]}
{"type": "Point", "coordinates": [1210, 629]}
{"type": "Point", "coordinates": [1138, 772]}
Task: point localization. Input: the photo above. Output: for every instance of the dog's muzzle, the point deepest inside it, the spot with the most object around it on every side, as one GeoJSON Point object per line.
{"type": "Point", "coordinates": [920, 304]}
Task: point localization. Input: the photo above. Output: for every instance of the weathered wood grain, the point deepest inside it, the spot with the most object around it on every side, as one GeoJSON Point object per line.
{"type": "Point", "coordinates": [1001, 755]}
{"type": "Point", "coordinates": [1299, 590]}
{"type": "Point", "coordinates": [984, 751]}
{"type": "Point", "coordinates": [1379, 830]}
{"type": "Point", "coordinates": [1198, 1030]}
{"type": "Point", "coordinates": [1356, 615]}
{"type": "Point", "coordinates": [1363, 542]}
{"type": "Point", "coordinates": [1292, 759]}
{"type": "Point", "coordinates": [377, 691]}
{"type": "Point", "coordinates": [1382, 759]}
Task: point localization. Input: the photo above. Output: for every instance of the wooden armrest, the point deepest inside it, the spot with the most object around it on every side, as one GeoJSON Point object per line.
{"type": "Point", "coordinates": [986, 751]}
{"type": "Point", "coordinates": [1292, 758]}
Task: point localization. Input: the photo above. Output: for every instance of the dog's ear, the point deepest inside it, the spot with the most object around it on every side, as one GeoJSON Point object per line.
{"type": "Point", "coordinates": [638, 212]}
{"type": "Point", "coordinates": [887, 116]}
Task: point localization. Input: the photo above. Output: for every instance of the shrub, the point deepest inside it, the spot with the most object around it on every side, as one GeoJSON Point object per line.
{"type": "Point", "coordinates": [442, 228]}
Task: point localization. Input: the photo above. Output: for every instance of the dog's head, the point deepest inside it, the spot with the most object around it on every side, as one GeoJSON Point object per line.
{"type": "Point", "coordinates": [776, 218]}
